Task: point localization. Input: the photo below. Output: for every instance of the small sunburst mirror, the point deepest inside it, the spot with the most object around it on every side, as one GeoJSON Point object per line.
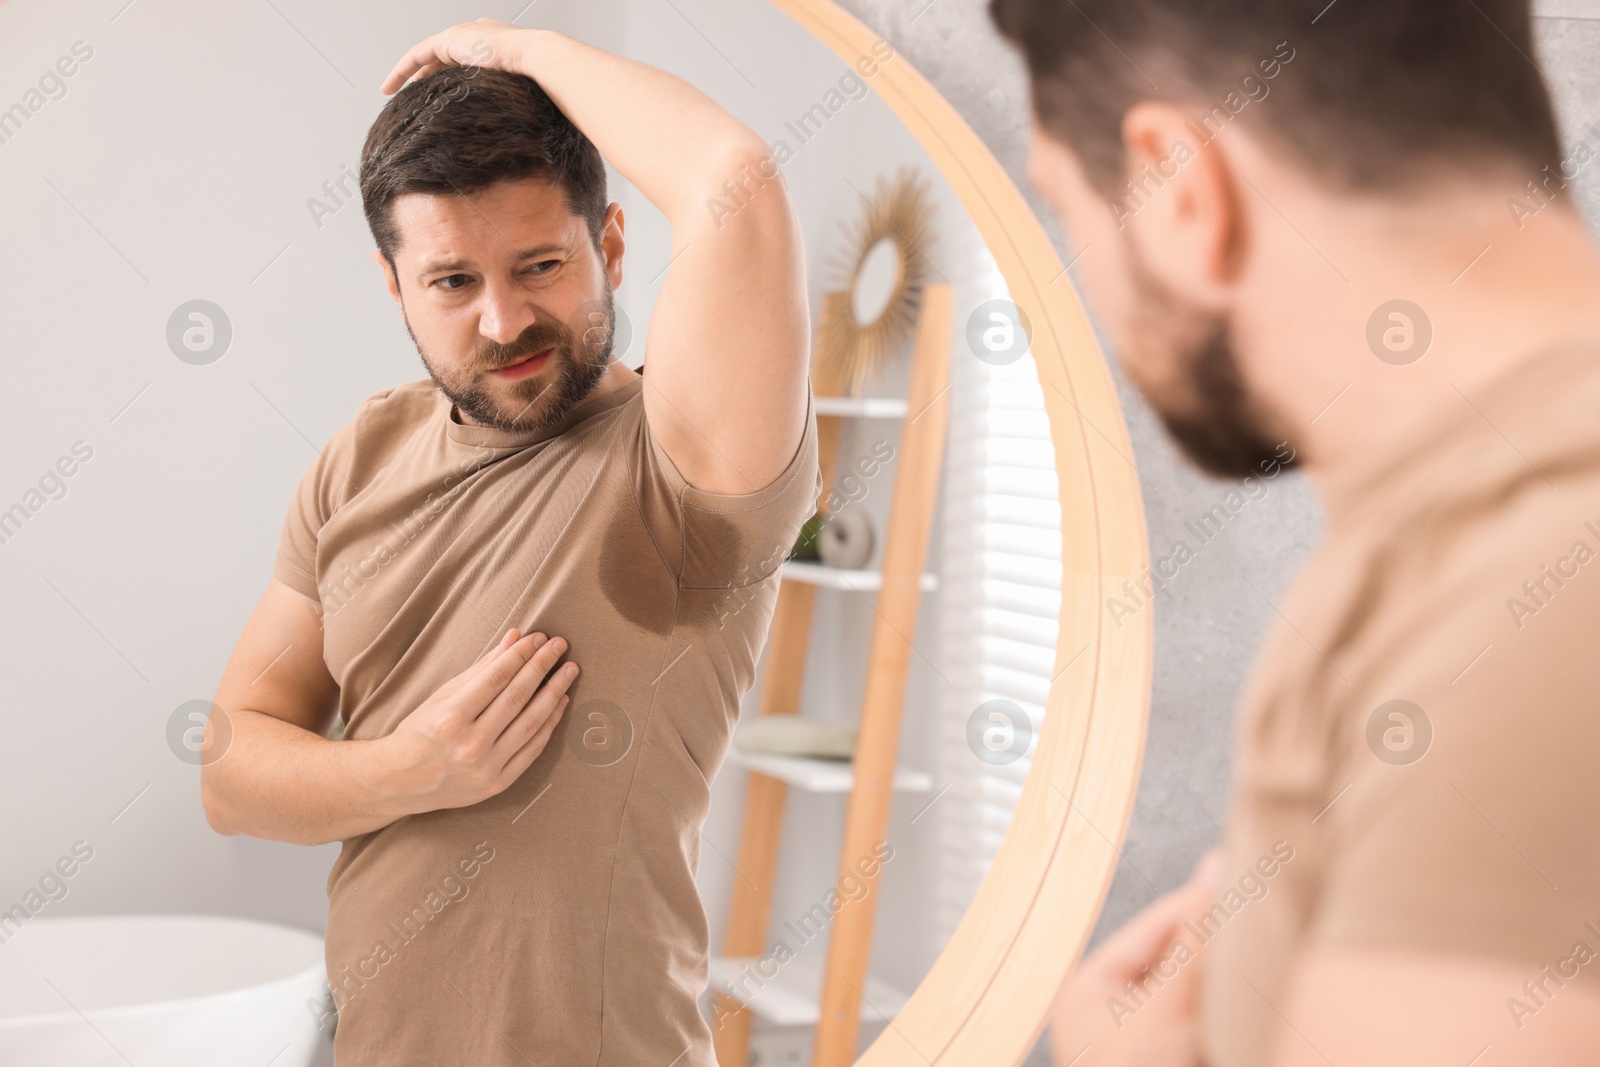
{"type": "Point", "coordinates": [884, 267]}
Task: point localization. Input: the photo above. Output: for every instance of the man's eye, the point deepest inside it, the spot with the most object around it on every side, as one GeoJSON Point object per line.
{"type": "Point", "coordinates": [548, 265]}
{"type": "Point", "coordinates": [448, 277]}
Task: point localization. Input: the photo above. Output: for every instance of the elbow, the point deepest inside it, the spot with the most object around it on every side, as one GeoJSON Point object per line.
{"type": "Point", "coordinates": [748, 151]}
{"type": "Point", "coordinates": [755, 159]}
{"type": "Point", "coordinates": [216, 809]}
{"type": "Point", "coordinates": [745, 172]}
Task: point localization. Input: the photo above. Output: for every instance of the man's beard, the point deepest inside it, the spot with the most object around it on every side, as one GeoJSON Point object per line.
{"type": "Point", "coordinates": [541, 400]}
{"type": "Point", "coordinates": [1209, 411]}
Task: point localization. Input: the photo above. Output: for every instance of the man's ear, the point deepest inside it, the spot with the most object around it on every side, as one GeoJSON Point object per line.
{"type": "Point", "coordinates": [1188, 222]}
{"type": "Point", "coordinates": [612, 245]}
{"type": "Point", "coordinates": [388, 274]}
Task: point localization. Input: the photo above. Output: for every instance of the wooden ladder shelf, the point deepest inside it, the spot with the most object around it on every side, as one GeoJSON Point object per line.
{"type": "Point", "coordinates": [872, 775]}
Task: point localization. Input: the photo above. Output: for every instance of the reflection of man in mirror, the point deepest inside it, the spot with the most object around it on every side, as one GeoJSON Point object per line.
{"type": "Point", "coordinates": [1348, 228]}
{"type": "Point", "coordinates": [517, 879]}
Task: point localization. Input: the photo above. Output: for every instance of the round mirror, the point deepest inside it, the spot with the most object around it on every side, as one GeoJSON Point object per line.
{"type": "Point", "coordinates": [1022, 926]}
{"type": "Point", "coordinates": [877, 278]}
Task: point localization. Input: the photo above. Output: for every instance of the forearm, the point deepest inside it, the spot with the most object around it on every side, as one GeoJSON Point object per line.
{"type": "Point", "coordinates": [668, 138]}
{"type": "Point", "coordinates": [284, 783]}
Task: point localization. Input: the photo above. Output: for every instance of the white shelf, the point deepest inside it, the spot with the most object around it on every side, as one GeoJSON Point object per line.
{"type": "Point", "coordinates": [799, 570]}
{"type": "Point", "coordinates": [823, 775]}
{"type": "Point", "coordinates": [792, 999]}
{"type": "Point", "coordinates": [865, 407]}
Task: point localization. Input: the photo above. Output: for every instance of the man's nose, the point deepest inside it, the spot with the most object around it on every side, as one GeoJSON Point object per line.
{"type": "Point", "coordinates": [505, 314]}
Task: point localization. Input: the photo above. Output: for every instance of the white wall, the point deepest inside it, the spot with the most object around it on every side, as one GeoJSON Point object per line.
{"type": "Point", "coordinates": [177, 166]}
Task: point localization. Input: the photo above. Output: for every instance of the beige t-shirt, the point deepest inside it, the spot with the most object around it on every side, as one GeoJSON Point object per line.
{"type": "Point", "coordinates": [1460, 574]}
{"type": "Point", "coordinates": [558, 922]}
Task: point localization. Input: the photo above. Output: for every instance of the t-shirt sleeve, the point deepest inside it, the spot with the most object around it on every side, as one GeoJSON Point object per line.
{"type": "Point", "coordinates": [719, 541]}
{"type": "Point", "coordinates": [323, 487]}
{"type": "Point", "coordinates": [1484, 845]}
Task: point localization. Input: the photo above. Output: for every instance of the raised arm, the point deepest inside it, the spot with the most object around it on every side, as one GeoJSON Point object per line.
{"type": "Point", "coordinates": [729, 337]}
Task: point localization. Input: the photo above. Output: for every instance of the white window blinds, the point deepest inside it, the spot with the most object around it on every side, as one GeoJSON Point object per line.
{"type": "Point", "coordinates": [1000, 599]}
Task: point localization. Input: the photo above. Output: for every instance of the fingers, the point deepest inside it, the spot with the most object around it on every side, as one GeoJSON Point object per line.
{"type": "Point", "coordinates": [522, 757]}
{"type": "Point", "coordinates": [1144, 937]}
{"type": "Point", "coordinates": [1207, 873]}
{"type": "Point", "coordinates": [512, 636]}
{"type": "Point", "coordinates": [425, 70]}
{"type": "Point", "coordinates": [1202, 892]}
{"type": "Point", "coordinates": [484, 681]}
{"type": "Point", "coordinates": [533, 712]}
{"type": "Point", "coordinates": [520, 688]}
{"type": "Point", "coordinates": [442, 50]}
{"type": "Point", "coordinates": [415, 58]}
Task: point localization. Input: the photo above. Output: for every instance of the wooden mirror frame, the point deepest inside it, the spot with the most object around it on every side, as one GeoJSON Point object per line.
{"type": "Point", "coordinates": [987, 996]}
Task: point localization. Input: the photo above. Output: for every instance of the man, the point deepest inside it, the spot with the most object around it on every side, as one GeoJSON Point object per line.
{"type": "Point", "coordinates": [517, 882]}
{"type": "Point", "coordinates": [1340, 234]}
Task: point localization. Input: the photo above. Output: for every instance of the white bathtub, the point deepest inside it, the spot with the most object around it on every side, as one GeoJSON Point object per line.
{"type": "Point", "coordinates": [159, 991]}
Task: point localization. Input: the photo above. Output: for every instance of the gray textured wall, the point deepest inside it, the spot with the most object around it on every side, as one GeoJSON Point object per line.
{"type": "Point", "coordinates": [1210, 619]}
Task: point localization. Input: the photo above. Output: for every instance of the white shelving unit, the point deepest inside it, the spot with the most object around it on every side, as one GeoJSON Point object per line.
{"type": "Point", "coordinates": [859, 581]}
{"type": "Point", "coordinates": [816, 775]}
{"type": "Point", "coordinates": [866, 407]}
{"type": "Point", "coordinates": [791, 994]}
{"type": "Point", "coordinates": [789, 998]}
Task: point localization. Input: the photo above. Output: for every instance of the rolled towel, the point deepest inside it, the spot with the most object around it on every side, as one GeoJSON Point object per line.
{"type": "Point", "coordinates": [796, 735]}
{"type": "Point", "coordinates": [846, 539]}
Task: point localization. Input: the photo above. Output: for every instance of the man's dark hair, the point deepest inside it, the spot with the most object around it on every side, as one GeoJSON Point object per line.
{"type": "Point", "coordinates": [461, 130]}
{"type": "Point", "coordinates": [1378, 95]}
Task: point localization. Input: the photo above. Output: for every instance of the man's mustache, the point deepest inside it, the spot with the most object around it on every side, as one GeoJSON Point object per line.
{"type": "Point", "coordinates": [520, 350]}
